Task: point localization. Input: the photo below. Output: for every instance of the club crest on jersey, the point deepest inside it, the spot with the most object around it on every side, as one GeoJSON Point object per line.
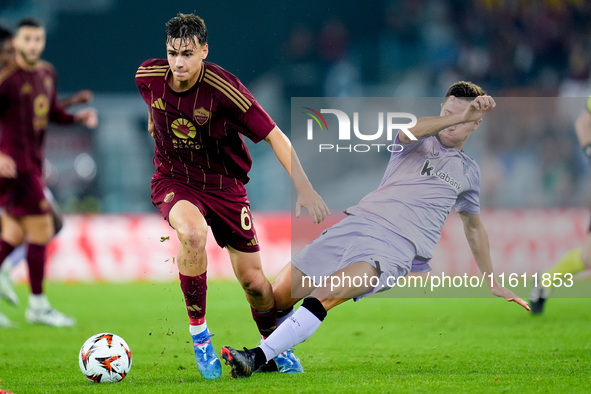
{"type": "Point", "coordinates": [183, 129]}
{"type": "Point", "coordinates": [201, 116]}
{"type": "Point", "coordinates": [41, 109]}
{"type": "Point", "coordinates": [41, 105]}
{"type": "Point", "coordinates": [169, 197]}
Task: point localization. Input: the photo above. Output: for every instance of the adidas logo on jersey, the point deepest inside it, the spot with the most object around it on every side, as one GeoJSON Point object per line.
{"type": "Point", "coordinates": [159, 104]}
{"type": "Point", "coordinates": [26, 88]}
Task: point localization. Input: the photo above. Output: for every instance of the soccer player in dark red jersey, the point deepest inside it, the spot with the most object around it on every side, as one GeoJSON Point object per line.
{"type": "Point", "coordinates": [18, 255]}
{"type": "Point", "coordinates": [28, 102]}
{"type": "Point", "coordinates": [198, 115]}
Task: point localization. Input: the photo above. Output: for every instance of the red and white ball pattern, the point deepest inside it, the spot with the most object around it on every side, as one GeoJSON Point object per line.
{"type": "Point", "coordinates": [105, 358]}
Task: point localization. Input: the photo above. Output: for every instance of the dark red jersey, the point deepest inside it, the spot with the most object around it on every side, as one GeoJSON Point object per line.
{"type": "Point", "coordinates": [198, 132]}
{"type": "Point", "coordinates": [28, 102]}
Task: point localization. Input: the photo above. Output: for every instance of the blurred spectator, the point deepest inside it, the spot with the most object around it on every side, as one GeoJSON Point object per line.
{"type": "Point", "coordinates": [341, 76]}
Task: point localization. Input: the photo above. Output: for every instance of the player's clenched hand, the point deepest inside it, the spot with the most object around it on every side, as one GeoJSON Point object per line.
{"type": "Point", "coordinates": [507, 294]}
{"type": "Point", "coordinates": [87, 117]}
{"type": "Point", "coordinates": [315, 205]}
{"type": "Point", "coordinates": [478, 107]}
{"type": "Point", "coordinates": [7, 166]}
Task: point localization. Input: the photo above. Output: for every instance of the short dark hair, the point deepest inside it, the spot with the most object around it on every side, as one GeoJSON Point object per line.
{"type": "Point", "coordinates": [463, 89]}
{"type": "Point", "coordinates": [186, 27]}
{"type": "Point", "coordinates": [5, 34]}
{"type": "Point", "coordinates": [29, 22]}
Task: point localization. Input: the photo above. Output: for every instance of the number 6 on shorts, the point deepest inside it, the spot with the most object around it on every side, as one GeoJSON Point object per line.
{"type": "Point", "coordinates": [245, 219]}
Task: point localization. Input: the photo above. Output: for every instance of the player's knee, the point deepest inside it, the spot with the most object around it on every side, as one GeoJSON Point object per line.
{"type": "Point", "coordinates": [192, 237]}
{"type": "Point", "coordinates": [41, 237]}
{"type": "Point", "coordinates": [254, 284]}
{"type": "Point", "coordinates": [14, 239]}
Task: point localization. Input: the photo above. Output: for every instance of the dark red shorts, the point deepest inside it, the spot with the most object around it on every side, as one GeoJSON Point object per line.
{"type": "Point", "coordinates": [227, 211]}
{"type": "Point", "coordinates": [23, 195]}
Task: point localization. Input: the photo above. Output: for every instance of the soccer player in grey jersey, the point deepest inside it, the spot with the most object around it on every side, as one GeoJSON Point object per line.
{"type": "Point", "coordinates": [392, 231]}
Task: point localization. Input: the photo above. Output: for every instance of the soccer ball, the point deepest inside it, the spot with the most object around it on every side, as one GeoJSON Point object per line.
{"type": "Point", "coordinates": [105, 357]}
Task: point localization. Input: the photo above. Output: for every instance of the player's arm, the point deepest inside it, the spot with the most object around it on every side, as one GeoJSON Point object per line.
{"type": "Point", "coordinates": [81, 97]}
{"type": "Point", "coordinates": [150, 124]}
{"type": "Point", "coordinates": [307, 196]}
{"type": "Point", "coordinates": [87, 117]}
{"type": "Point", "coordinates": [431, 125]}
{"type": "Point", "coordinates": [583, 130]}
{"type": "Point", "coordinates": [478, 241]}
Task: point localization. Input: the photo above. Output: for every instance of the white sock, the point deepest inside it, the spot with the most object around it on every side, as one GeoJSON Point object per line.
{"type": "Point", "coordinates": [285, 317]}
{"type": "Point", "coordinates": [194, 330]}
{"type": "Point", "coordinates": [295, 330]}
{"type": "Point", "coordinates": [38, 301]}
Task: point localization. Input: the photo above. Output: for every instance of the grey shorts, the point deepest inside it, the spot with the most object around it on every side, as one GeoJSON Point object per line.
{"type": "Point", "coordinates": [356, 239]}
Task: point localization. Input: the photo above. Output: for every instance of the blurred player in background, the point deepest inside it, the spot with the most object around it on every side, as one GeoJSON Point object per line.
{"type": "Point", "coordinates": [18, 254]}
{"type": "Point", "coordinates": [392, 231]}
{"type": "Point", "coordinates": [198, 113]}
{"type": "Point", "coordinates": [6, 46]}
{"type": "Point", "coordinates": [578, 259]}
{"type": "Point", "coordinates": [28, 102]}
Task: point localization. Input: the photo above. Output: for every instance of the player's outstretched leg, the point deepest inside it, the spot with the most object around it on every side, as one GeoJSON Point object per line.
{"type": "Point", "coordinates": [287, 362]}
{"type": "Point", "coordinates": [208, 363]}
{"type": "Point", "coordinates": [243, 362]}
{"type": "Point", "coordinates": [41, 312]}
{"type": "Point", "coordinates": [537, 299]}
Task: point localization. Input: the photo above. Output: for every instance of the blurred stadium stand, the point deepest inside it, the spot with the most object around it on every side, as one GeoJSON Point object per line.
{"type": "Point", "coordinates": [398, 48]}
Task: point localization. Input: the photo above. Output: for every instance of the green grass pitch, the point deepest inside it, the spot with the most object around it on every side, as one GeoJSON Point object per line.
{"type": "Point", "coordinates": [377, 345]}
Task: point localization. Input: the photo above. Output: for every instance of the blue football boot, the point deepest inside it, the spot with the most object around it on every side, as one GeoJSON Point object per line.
{"type": "Point", "coordinates": [287, 362]}
{"type": "Point", "coordinates": [208, 363]}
